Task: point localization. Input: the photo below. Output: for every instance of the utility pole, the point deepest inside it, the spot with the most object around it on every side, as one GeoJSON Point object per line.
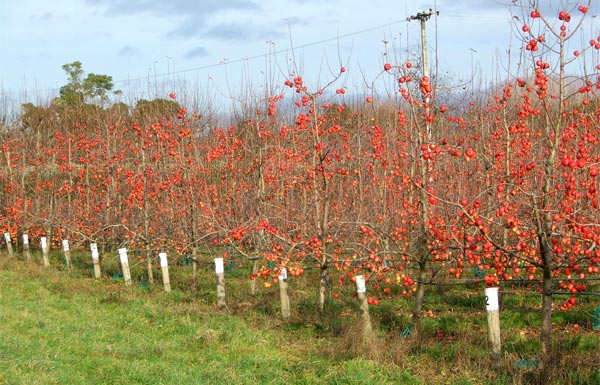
{"type": "Point", "coordinates": [423, 17]}
{"type": "Point", "coordinates": [426, 176]}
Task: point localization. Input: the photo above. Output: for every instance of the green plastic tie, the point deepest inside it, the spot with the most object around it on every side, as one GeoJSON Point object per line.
{"type": "Point", "coordinates": [596, 319]}
{"type": "Point", "coordinates": [526, 364]}
{"type": "Point", "coordinates": [407, 331]}
{"type": "Point", "coordinates": [479, 273]}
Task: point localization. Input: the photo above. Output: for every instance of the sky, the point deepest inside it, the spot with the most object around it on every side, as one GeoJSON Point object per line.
{"type": "Point", "coordinates": [227, 47]}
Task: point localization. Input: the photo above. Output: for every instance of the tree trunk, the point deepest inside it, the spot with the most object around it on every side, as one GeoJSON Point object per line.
{"type": "Point", "coordinates": [149, 263]}
{"type": "Point", "coordinates": [254, 279]}
{"type": "Point", "coordinates": [323, 286]}
{"type": "Point", "coordinates": [194, 271]}
{"type": "Point", "coordinates": [420, 295]}
{"type": "Point", "coordinates": [546, 330]}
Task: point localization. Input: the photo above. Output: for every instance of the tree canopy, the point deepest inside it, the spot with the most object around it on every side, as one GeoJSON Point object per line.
{"type": "Point", "coordinates": [92, 88]}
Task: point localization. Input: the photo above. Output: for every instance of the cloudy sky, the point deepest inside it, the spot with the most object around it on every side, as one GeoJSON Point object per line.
{"type": "Point", "coordinates": [224, 45]}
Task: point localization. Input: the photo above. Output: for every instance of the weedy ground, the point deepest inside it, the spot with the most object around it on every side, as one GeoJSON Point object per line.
{"type": "Point", "coordinates": [60, 327]}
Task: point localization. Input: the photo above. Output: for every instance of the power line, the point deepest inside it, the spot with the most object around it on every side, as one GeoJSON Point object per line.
{"type": "Point", "coordinates": [261, 56]}
{"type": "Point", "coordinates": [223, 63]}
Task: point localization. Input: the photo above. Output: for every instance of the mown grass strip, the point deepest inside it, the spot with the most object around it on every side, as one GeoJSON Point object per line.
{"type": "Point", "coordinates": [54, 330]}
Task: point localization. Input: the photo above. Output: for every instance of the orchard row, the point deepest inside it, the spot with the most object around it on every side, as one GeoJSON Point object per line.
{"type": "Point", "coordinates": [507, 183]}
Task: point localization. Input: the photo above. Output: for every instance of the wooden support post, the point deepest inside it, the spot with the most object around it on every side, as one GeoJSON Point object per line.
{"type": "Point", "coordinates": [164, 266]}
{"type": "Point", "coordinates": [220, 272]}
{"type": "Point", "coordinates": [26, 249]}
{"type": "Point", "coordinates": [95, 260]}
{"type": "Point", "coordinates": [8, 244]}
{"type": "Point", "coordinates": [493, 319]}
{"type": "Point", "coordinates": [125, 266]}
{"type": "Point", "coordinates": [361, 290]}
{"type": "Point", "coordinates": [44, 245]}
{"type": "Point", "coordinates": [283, 294]}
{"type": "Point", "coordinates": [67, 253]}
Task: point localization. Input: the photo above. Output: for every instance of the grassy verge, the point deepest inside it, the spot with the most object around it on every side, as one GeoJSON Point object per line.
{"type": "Point", "coordinates": [55, 329]}
{"type": "Point", "coordinates": [61, 328]}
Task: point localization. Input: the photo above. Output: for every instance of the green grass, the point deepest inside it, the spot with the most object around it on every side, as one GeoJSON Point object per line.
{"type": "Point", "coordinates": [58, 327]}
{"type": "Point", "coordinates": [55, 329]}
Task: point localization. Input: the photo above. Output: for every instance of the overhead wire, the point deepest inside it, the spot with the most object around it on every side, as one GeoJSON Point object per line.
{"type": "Point", "coordinates": [453, 15]}
{"type": "Point", "coordinates": [226, 62]}
{"type": "Point", "coordinates": [261, 56]}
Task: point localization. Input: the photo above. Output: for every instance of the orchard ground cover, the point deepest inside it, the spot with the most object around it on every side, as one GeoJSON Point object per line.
{"type": "Point", "coordinates": [60, 327]}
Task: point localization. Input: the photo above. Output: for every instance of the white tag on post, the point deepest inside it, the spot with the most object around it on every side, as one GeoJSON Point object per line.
{"type": "Point", "coordinates": [361, 286]}
{"type": "Point", "coordinates": [25, 239]}
{"type": "Point", "coordinates": [94, 249]}
{"type": "Point", "coordinates": [123, 256]}
{"type": "Point", "coordinates": [219, 267]}
{"type": "Point", "coordinates": [283, 274]}
{"type": "Point", "coordinates": [44, 243]}
{"type": "Point", "coordinates": [163, 259]}
{"type": "Point", "coordinates": [491, 299]}
{"type": "Point", "coordinates": [7, 237]}
{"type": "Point", "coordinates": [65, 244]}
